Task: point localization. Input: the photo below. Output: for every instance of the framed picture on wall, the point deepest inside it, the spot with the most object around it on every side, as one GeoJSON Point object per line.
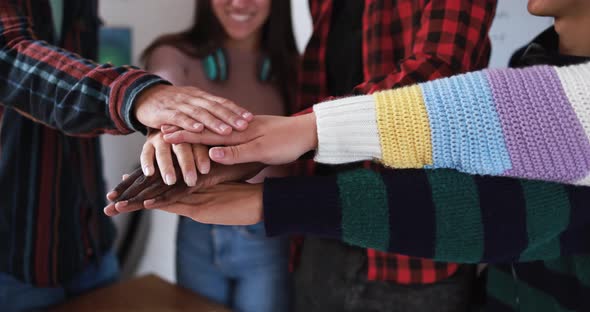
{"type": "Point", "coordinates": [115, 45]}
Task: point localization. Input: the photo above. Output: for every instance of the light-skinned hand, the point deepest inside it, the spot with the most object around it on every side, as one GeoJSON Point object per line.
{"type": "Point", "coordinates": [271, 140]}
{"type": "Point", "coordinates": [190, 109]}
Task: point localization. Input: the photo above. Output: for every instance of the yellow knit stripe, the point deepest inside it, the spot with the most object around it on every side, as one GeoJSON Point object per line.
{"type": "Point", "coordinates": [404, 129]}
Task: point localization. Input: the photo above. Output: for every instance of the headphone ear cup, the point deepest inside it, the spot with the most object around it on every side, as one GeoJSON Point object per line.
{"type": "Point", "coordinates": [222, 64]}
{"type": "Point", "coordinates": [210, 66]}
{"type": "Point", "coordinates": [265, 69]}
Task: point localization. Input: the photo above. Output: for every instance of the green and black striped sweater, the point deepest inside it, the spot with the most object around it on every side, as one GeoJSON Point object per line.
{"type": "Point", "coordinates": [535, 235]}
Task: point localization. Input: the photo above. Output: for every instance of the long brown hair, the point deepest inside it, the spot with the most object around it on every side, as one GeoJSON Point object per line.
{"type": "Point", "coordinates": [206, 35]}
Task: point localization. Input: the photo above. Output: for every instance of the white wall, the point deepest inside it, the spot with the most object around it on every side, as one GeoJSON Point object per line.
{"type": "Point", "coordinates": [513, 27]}
{"type": "Point", "coordinates": [149, 18]}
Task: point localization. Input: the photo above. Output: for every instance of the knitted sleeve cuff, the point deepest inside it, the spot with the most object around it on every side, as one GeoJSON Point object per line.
{"type": "Point", "coordinates": [347, 130]}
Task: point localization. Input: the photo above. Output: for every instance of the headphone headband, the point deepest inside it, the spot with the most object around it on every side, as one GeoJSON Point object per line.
{"type": "Point", "coordinates": [216, 66]}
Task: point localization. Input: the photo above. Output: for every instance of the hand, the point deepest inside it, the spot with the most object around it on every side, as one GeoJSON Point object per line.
{"type": "Point", "coordinates": [137, 191]}
{"type": "Point", "coordinates": [223, 204]}
{"type": "Point", "coordinates": [189, 108]}
{"type": "Point", "coordinates": [271, 140]}
{"type": "Point", "coordinates": [189, 157]}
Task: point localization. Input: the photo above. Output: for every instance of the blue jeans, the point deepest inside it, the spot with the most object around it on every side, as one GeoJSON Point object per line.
{"type": "Point", "coordinates": [16, 295]}
{"type": "Point", "coordinates": [237, 266]}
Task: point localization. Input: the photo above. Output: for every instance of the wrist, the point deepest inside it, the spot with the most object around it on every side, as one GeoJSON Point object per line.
{"type": "Point", "coordinates": [308, 129]}
{"type": "Point", "coordinates": [132, 100]}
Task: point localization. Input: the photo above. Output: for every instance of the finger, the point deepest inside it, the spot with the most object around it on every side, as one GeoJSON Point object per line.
{"type": "Point", "coordinates": [186, 161]}
{"type": "Point", "coordinates": [147, 159]}
{"type": "Point", "coordinates": [182, 120]}
{"type": "Point", "coordinates": [204, 115]}
{"type": "Point", "coordinates": [201, 153]}
{"type": "Point", "coordinates": [137, 186]}
{"type": "Point", "coordinates": [124, 185]}
{"type": "Point", "coordinates": [222, 111]}
{"type": "Point", "coordinates": [237, 154]}
{"type": "Point", "coordinates": [151, 192]}
{"type": "Point", "coordinates": [165, 164]}
{"type": "Point", "coordinates": [110, 210]}
{"type": "Point", "coordinates": [205, 137]}
{"type": "Point", "coordinates": [136, 202]}
{"type": "Point", "coordinates": [225, 102]}
{"type": "Point", "coordinates": [169, 197]}
{"type": "Point", "coordinates": [171, 129]}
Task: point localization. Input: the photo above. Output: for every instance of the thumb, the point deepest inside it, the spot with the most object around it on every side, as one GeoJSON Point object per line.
{"type": "Point", "coordinates": [237, 154]}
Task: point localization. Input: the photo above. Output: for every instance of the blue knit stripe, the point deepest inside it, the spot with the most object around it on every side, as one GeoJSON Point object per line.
{"type": "Point", "coordinates": [457, 141]}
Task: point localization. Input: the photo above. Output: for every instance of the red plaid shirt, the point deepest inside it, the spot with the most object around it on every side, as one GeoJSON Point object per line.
{"type": "Point", "coordinates": [404, 42]}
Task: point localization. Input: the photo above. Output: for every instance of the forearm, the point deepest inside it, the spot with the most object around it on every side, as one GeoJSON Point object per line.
{"type": "Point", "coordinates": [59, 88]}
{"type": "Point", "coordinates": [440, 214]}
{"type": "Point", "coordinates": [528, 123]}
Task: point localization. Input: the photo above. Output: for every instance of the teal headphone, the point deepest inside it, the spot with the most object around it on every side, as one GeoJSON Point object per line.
{"type": "Point", "coordinates": [216, 67]}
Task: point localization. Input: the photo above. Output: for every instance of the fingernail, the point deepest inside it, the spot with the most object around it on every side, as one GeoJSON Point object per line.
{"type": "Point", "coordinates": [217, 153]}
{"type": "Point", "coordinates": [224, 127]}
{"type": "Point", "coordinates": [111, 195]}
{"type": "Point", "coordinates": [147, 171]}
{"type": "Point", "coordinates": [241, 123]}
{"type": "Point", "coordinates": [247, 115]}
{"type": "Point", "coordinates": [170, 179]}
{"type": "Point", "coordinates": [205, 169]}
{"type": "Point", "coordinates": [191, 179]}
{"type": "Point", "coordinates": [149, 202]}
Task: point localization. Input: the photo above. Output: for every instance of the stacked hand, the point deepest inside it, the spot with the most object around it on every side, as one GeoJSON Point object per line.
{"type": "Point", "coordinates": [267, 140]}
{"type": "Point", "coordinates": [271, 140]}
{"type": "Point", "coordinates": [188, 108]}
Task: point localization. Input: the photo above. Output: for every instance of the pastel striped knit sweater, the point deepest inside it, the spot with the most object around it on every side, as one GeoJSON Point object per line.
{"type": "Point", "coordinates": [530, 123]}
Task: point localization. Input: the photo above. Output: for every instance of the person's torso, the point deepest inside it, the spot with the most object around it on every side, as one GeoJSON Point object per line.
{"type": "Point", "coordinates": [242, 85]}
{"type": "Point", "coordinates": [51, 220]}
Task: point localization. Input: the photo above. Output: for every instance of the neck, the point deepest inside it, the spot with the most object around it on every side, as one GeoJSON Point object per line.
{"type": "Point", "coordinates": [249, 44]}
{"type": "Point", "coordinates": [574, 36]}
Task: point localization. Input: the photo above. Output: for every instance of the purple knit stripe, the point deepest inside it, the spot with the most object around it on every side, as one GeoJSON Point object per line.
{"type": "Point", "coordinates": [545, 139]}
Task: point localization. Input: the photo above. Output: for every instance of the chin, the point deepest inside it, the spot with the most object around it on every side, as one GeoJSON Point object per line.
{"type": "Point", "coordinates": [239, 35]}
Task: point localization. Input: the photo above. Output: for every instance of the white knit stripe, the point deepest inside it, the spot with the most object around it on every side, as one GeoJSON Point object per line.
{"type": "Point", "coordinates": [347, 130]}
{"type": "Point", "coordinates": [575, 80]}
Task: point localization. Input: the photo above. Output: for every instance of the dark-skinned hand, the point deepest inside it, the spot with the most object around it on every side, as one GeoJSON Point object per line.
{"type": "Point", "coordinates": [138, 191]}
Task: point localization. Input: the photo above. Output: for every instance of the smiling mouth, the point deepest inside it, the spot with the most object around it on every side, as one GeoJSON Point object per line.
{"type": "Point", "coordinates": [240, 17]}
